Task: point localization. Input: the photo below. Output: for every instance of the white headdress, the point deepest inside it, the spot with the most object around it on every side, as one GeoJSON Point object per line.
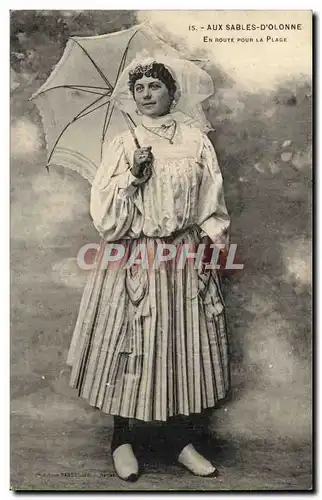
{"type": "Point", "coordinates": [193, 84]}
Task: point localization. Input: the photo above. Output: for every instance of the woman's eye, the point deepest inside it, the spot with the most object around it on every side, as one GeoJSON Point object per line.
{"type": "Point", "coordinates": [139, 88]}
{"type": "Point", "coordinates": [155, 86]}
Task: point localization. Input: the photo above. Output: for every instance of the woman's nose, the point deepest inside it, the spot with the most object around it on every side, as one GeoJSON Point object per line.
{"type": "Point", "coordinates": [147, 93]}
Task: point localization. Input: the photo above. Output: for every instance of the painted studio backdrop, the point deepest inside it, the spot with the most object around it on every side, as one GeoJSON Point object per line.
{"type": "Point", "coordinates": [260, 113]}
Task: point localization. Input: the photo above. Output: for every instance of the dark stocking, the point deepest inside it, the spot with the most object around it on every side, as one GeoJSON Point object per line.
{"type": "Point", "coordinates": [121, 432]}
{"type": "Point", "coordinates": [179, 433]}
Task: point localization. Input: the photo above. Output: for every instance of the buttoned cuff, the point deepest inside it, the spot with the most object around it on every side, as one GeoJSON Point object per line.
{"type": "Point", "coordinates": [126, 179]}
{"type": "Point", "coordinates": [128, 191]}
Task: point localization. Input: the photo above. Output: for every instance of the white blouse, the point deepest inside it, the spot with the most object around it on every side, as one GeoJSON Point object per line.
{"type": "Point", "coordinates": [185, 189]}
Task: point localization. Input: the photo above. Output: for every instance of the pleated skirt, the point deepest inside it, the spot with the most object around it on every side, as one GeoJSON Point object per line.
{"type": "Point", "coordinates": [151, 343]}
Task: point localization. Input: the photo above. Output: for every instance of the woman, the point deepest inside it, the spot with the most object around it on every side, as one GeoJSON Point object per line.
{"type": "Point", "coordinates": [150, 341]}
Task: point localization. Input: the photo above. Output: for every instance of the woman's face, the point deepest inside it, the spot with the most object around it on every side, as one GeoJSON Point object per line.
{"type": "Point", "coordinates": [151, 97]}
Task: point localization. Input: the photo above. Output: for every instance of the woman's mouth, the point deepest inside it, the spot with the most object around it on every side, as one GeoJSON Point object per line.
{"type": "Point", "coordinates": [149, 104]}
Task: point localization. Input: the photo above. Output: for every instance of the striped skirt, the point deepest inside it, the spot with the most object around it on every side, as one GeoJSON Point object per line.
{"type": "Point", "coordinates": [151, 343]}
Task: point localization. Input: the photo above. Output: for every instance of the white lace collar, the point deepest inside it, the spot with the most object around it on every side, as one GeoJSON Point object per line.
{"type": "Point", "coordinates": [166, 120]}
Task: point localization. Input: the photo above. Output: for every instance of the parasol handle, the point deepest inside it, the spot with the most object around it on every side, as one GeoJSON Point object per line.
{"type": "Point", "coordinates": [137, 144]}
{"type": "Point", "coordinates": [147, 170]}
{"type": "Point", "coordinates": [130, 123]}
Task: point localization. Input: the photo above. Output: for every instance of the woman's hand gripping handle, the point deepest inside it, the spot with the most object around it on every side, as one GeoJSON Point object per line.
{"type": "Point", "coordinates": [142, 165]}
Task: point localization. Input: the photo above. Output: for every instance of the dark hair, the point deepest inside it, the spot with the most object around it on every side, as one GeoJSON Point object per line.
{"type": "Point", "coordinates": [154, 70]}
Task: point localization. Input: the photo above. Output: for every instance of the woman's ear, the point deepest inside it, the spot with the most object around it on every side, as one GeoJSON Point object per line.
{"type": "Point", "coordinates": [173, 104]}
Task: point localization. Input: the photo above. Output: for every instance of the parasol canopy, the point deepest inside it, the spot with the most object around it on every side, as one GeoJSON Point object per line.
{"type": "Point", "coordinates": [86, 101]}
